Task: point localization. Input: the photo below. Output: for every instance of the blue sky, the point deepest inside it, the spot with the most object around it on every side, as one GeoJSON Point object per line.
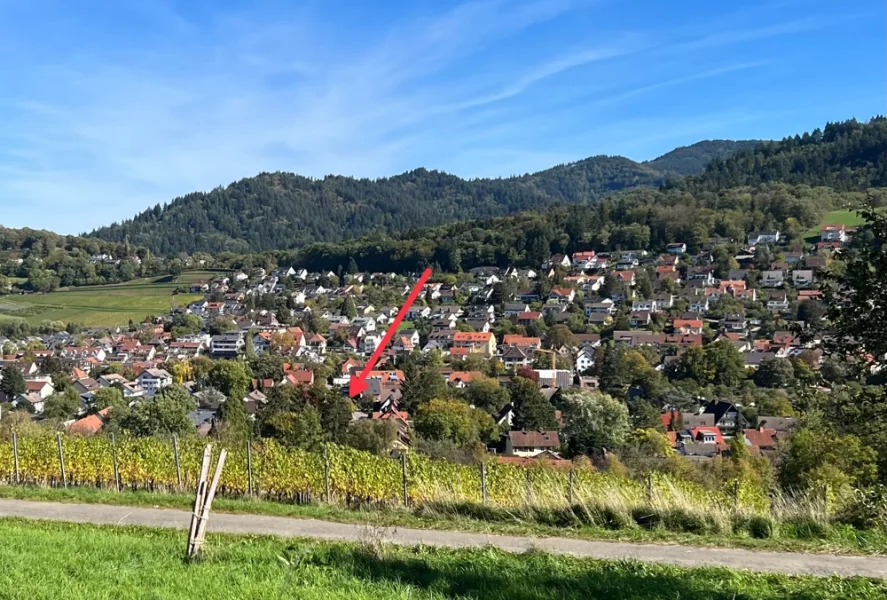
{"type": "Point", "coordinates": [107, 108]}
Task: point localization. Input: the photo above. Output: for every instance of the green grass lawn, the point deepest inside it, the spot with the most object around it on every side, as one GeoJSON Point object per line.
{"type": "Point", "coordinates": [834, 540]}
{"type": "Point", "coordinates": [835, 217]}
{"type": "Point", "coordinates": [84, 562]}
{"type": "Point", "coordinates": [102, 305]}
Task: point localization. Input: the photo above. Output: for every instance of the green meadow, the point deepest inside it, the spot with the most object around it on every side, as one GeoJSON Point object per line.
{"type": "Point", "coordinates": [103, 305]}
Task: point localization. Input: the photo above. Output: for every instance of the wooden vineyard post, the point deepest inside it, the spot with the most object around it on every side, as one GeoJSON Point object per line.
{"type": "Point", "coordinates": [403, 470]}
{"type": "Point", "coordinates": [18, 477]}
{"type": "Point", "coordinates": [249, 468]}
{"type": "Point", "coordinates": [114, 459]}
{"type": "Point", "coordinates": [483, 482]}
{"type": "Point", "coordinates": [198, 498]}
{"type": "Point", "coordinates": [326, 474]}
{"type": "Point", "coordinates": [175, 450]}
{"type": "Point", "coordinates": [203, 500]}
{"type": "Point", "coordinates": [570, 488]}
{"type": "Point", "coordinates": [208, 503]}
{"type": "Point", "coordinates": [529, 485]}
{"type": "Point", "coordinates": [58, 439]}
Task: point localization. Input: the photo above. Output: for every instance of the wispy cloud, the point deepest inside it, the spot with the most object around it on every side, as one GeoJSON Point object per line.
{"type": "Point", "coordinates": [194, 100]}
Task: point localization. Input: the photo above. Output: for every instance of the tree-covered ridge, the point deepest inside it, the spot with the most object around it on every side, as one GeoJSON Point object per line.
{"type": "Point", "coordinates": [643, 219]}
{"type": "Point", "coordinates": [849, 155]}
{"type": "Point", "coordinates": [691, 160]}
{"type": "Point", "coordinates": [42, 261]}
{"type": "Point", "coordinates": [282, 211]}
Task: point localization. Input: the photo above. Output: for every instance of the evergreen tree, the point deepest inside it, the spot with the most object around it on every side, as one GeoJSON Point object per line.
{"type": "Point", "coordinates": [12, 383]}
{"type": "Point", "coordinates": [531, 410]}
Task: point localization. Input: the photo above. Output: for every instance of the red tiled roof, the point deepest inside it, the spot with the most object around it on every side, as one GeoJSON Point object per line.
{"type": "Point", "coordinates": [521, 340]}
{"type": "Point", "coordinates": [89, 425]}
{"type": "Point", "coordinates": [464, 376]}
{"type": "Point", "coordinates": [719, 439]}
{"type": "Point", "coordinates": [762, 438]}
{"type": "Point", "coordinates": [472, 336]}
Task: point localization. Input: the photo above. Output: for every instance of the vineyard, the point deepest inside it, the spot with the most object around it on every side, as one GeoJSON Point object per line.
{"type": "Point", "coordinates": [347, 476]}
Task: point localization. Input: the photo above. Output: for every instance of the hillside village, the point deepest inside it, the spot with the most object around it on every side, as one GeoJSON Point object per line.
{"type": "Point", "coordinates": [550, 324]}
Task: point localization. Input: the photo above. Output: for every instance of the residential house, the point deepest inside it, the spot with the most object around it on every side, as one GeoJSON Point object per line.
{"type": "Point", "coordinates": [726, 416]}
{"type": "Point", "coordinates": [367, 323]}
{"type": "Point", "coordinates": [584, 261]}
{"type": "Point", "coordinates": [802, 277]}
{"type": "Point", "coordinates": [777, 301]}
{"type": "Point", "coordinates": [483, 343]}
{"type": "Point", "coordinates": [735, 323]}
{"type": "Point", "coordinates": [626, 277]}
{"type": "Point", "coordinates": [651, 306]}
{"type": "Point", "coordinates": [585, 359]}
{"type": "Point", "coordinates": [676, 248]}
{"type": "Point", "coordinates": [558, 260]}
{"type": "Point", "coordinates": [687, 326]}
{"type": "Point", "coordinates": [703, 273]}
{"type": "Point", "coordinates": [555, 378]}
{"type": "Point", "coordinates": [415, 312]}
{"type": "Point", "coordinates": [815, 263]}
{"type": "Point", "coordinates": [772, 278]}
{"type": "Point", "coordinates": [765, 439]}
{"type": "Point", "coordinates": [316, 342]}
{"type": "Point", "coordinates": [39, 387]}
{"type": "Point", "coordinates": [833, 233]}
{"type": "Point", "coordinates": [154, 380]}
{"type": "Point", "coordinates": [369, 342]}
{"type": "Point", "coordinates": [562, 295]}
{"type": "Point", "coordinates": [460, 379]}
{"type": "Point", "coordinates": [528, 296]}
{"type": "Point", "coordinates": [514, 357]}
{"type": "Point", "coordinates": [758, 238]}
{"type": "Point", "coordinates": [515, 308]}
{"type": "Point", "coordinates": [605, 306]}
{"type": "Point", "coordinates": [529, 318]}
{"type": "Point", "coordinates": [522, 342]}
{"type": "Point", "coordinates": [668, 272]}
{"type": "Point", "coordinates": [227, 345]}
{"type": "Point", "coordinates": [640, 318]}
{"type": "Point", "coordinates": [809, 295]}
{"type": "Point", "coordinates": [699, 304]}
{"type": "Point", "coordinates": [530, 443]}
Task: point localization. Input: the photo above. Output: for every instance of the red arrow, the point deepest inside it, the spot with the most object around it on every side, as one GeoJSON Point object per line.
{"type": "Point", "coordinates": [358, 382]}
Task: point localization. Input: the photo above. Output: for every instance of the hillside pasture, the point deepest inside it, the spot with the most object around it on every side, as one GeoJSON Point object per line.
{"type": "Point", "coordinates": [103, 305]}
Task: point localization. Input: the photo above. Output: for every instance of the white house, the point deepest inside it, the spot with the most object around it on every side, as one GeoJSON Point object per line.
{"type": "Point", "coordinates": [802, 277]}
{"type": "Point", "coordinates": [585, 359]}
{"type": "Point", "coordinates": [154, 380]}
{"type": "Point", "coordinates": [756, 238]}
{"type": "Point", "coordinates": [833, 233]}
{"type": "Point", "coordinates": [227, 344]}
{"type": "Point", "coordinates": [369, 343]}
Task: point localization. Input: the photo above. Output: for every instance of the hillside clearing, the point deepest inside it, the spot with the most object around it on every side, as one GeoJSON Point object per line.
{"type": "Point", "coordinates": [104, 305]}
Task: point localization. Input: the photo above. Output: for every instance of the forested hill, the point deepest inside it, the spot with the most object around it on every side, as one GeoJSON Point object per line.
{"type": "Point", "coordinates": [847, 156]}
{"type": "Point", "coordinates": [637, 219]}
{"type": "Point", "coordinates": [691, 160]}
{"type": "Point", "coordinates": [282, 210]}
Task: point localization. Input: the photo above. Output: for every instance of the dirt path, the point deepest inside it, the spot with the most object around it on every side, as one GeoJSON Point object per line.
{"type": "Point", "coordinates": [685, 556]}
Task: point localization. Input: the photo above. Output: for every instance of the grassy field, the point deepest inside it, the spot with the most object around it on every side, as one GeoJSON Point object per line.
{"type": "Point", "coordinates": [786, 537]}
{"type": "Point", "coordinates": [835, 217]}
{"type": "Point", "coordinates": [79, 562]}
{"type": "Point", "coordinates": [103, 305]}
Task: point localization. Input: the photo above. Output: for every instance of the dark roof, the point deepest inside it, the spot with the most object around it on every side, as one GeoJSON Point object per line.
{"type": "Point", "coordinates": [718, 408]}
{"type": "Point", "coordinates": [777, 423]}
{"type": "Point", "coordinates": [534, 439]}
